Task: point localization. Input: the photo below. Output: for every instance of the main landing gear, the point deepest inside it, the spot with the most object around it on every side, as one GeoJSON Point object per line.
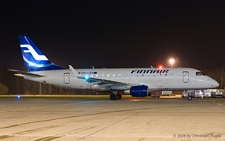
{"type": "Point", "coordinates": [115, 96]}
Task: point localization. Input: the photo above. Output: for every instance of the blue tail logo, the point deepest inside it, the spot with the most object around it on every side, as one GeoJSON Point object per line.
{"type": "Point", "coordinates": [34, 59]}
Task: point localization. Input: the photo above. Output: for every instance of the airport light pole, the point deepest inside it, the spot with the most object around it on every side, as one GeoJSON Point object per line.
{"type": "Point", "coordinates": [171, 62]}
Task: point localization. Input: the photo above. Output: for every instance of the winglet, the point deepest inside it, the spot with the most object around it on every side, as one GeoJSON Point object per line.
{"type": "Point", "coordinates": [75, 73]}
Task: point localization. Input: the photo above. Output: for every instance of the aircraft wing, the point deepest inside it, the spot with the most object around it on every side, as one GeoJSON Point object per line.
{"type": "Point", "coordinates": [101, 82]}
{"type": "Point", "coordinates": [23, 73]}
{"type": "Point", "coordinates": [106, 83]}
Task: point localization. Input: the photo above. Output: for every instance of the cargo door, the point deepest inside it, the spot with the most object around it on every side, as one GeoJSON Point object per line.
{"type": "Point", "coordinates": [185, 76]}
{"type": "Point", "coordinates": [66, 78]}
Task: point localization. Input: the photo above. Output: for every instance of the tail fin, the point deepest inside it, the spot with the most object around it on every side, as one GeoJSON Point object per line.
{"type": "Point", "coordinates": [34, 59]}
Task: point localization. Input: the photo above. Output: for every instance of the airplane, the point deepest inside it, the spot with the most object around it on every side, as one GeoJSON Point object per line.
{"type": "Point", "coordinates": [138, 82]}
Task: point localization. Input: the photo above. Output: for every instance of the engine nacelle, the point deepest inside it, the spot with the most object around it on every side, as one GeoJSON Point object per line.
{"type": "Point", "coordinates": [138, 91]}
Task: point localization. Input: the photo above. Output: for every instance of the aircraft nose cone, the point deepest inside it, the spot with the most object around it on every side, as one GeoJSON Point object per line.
{"type": "Point", "coordinates": [214, 83]}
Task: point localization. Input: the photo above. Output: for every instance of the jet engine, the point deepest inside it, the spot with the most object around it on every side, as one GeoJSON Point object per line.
{"type": "Point", "coordinates": [138, 91]}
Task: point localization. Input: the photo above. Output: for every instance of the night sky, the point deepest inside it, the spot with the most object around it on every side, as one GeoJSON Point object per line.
{"type": "Point", "coordinates": [116, 33]}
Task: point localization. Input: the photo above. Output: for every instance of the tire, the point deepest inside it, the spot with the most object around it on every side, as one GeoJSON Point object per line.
{"type": "Point", "coordinates": [118, 96]}
{"type": "Point", "coordinates": [189, 98]}
{"type": "Point", "coordinates": [112, 97]}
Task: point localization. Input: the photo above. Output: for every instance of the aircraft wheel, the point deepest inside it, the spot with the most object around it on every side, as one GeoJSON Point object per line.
{"type": "Point", "coordinates": [112, 97]}
{"type": "Point", "coordinates": [189, 98]}
{"type": "Point", "coordinates": [118, 96]}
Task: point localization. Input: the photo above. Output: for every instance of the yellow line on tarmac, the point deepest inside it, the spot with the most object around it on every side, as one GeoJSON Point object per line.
{"type": "Point", "coordinates": [210, 100]}
{"type": "Point", "coordinates": [219, 104]}
{"type": "Point", "coordinates": [213, 101]}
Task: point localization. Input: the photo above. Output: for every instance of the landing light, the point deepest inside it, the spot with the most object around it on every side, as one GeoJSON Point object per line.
{"type": "Point", "coordinates": [18, 96]}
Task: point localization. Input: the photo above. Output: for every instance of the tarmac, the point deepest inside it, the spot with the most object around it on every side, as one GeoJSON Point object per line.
{"type": "Point", "coordinates": [100, 119]}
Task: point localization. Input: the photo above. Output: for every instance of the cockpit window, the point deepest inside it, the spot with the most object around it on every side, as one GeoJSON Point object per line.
{"type": "Point", "coordinates": [200, 74]}
{"type": "Point", "coordinates": [204, 73]}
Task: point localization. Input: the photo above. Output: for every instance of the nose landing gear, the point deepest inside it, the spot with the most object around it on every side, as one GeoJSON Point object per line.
{"type": "Point", "coordinates": [189, 98]}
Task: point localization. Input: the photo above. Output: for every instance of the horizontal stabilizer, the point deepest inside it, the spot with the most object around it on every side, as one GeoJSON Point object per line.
{"type": "Point", "coordinates": [23, 73]}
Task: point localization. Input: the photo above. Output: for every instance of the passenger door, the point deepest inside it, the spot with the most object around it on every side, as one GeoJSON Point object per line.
{"type": "Point", "coordinates": [185, 76]}
{"type": "Point", "coordinates": [66, 78]}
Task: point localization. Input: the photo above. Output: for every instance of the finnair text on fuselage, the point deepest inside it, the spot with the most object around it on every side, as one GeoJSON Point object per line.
{"type": "Point", "coordinates": [149, 71]}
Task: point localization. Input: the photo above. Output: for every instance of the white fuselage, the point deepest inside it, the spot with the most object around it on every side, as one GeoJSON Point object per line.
{"type": "Point", "coordinates": [155, 79]}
